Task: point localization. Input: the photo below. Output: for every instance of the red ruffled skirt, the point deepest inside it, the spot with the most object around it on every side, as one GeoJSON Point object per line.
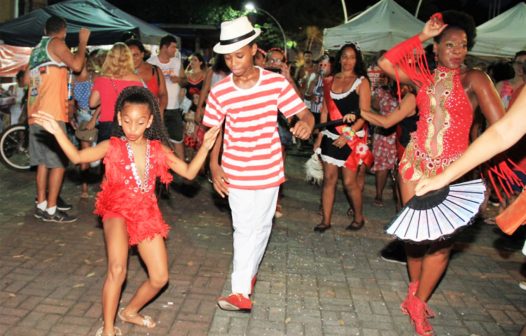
{"type": "Point", "coordinates": [139, 210]}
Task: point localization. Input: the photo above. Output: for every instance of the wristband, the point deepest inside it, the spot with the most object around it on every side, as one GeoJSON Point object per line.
{"type": "Point", "coordinates": [348, 133]}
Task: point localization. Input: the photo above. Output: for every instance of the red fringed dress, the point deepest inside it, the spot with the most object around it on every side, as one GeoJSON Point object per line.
{"type": "Point", "coordinates": [446, 114]}
{"type": "Point", "coordinates": [442, 132]}
{"type": "Point", "coordinates": [126, 195]}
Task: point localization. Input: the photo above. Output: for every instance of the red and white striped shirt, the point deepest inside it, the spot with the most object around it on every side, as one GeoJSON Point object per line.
{"type": "Point", "coordinates": [251, 147]}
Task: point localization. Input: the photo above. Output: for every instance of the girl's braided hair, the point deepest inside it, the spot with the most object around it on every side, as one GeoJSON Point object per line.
{"type": "Point", "coordinates": [141, 95]}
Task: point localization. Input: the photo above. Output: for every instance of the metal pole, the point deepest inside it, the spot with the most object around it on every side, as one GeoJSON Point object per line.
{"type": "Point", "coordinates": [280, 28]}
{"type": "Point", "coordinates": [418, 8]}
{"type": "Point", "coordinates": [15, 9]}
{"type": "Point", "coordinates": [344, 11]}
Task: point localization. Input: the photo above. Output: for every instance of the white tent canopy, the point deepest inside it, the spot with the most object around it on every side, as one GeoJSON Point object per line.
{"type": "Point", "coordinates": [379, 27]}
{"type": "Point", "coordinates": [503, 35]}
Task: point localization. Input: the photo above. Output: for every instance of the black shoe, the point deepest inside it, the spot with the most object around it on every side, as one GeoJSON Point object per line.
{"type": "Point", "coordinates": [355, 226]}
{"type": "Point", "coordinates": [59, 217]}
{"type": "Point", "coordinates": [394, 252]}
{"type": "Point", "coordinates": [322, 228]}
{"type": "Point", "coordinates": [62, 205]}
{"type": "Point", "coordinates": [39, 214]}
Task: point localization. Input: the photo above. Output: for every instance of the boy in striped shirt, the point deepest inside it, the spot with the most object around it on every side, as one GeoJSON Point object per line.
{"type": "Point", "coordinates": [251, 168]}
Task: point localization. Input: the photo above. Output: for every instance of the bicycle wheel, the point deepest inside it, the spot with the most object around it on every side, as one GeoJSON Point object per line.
{"type": "Point", "coordinates": [14, 147]}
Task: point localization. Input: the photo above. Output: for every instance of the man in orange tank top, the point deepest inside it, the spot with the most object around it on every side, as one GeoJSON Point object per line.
{"type": "Point", "coordinates": [47, 77]}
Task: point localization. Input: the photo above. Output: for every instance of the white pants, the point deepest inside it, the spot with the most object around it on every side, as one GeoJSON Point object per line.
{"type": "Point", "coordinates": [252, 213]}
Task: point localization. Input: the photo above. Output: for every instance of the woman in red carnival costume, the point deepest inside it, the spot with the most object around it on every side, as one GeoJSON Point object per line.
{"type": "Point", "coordinates": [446, 100]}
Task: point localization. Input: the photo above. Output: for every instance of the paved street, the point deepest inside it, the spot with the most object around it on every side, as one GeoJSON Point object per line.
{"type": "Point", "coordinates": [309, 284]}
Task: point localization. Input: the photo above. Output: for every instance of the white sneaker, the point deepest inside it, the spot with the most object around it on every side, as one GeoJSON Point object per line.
{"type": "Point", "coordinates": [522, 284]}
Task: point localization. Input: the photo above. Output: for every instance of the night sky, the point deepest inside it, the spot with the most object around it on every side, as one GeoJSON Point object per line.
{"type": "Point", "coordinates": [285, 11]}
{"type": "Point", "coordinates": [185, 12]}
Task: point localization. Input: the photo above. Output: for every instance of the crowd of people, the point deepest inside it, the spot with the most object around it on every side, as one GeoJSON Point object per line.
{"type": "Point", "coordinates": [406, 117]}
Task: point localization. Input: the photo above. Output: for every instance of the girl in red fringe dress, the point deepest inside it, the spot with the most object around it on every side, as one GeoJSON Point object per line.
{"type": "Point", "coordinates": [134, 157]}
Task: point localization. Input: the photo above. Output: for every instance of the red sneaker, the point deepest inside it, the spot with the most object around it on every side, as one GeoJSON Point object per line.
{"type": "Point", "coordinates": [235, 302]}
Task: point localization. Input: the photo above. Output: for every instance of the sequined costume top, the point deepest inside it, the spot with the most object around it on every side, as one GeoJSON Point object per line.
{"type": "Point", "coordinates": [126, 195]}
{"type": "Point", "coordinates": [442, 133]}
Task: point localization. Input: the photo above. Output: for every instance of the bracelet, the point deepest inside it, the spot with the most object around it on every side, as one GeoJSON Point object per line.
{"type": "Point", "coordinates": [348, 133]}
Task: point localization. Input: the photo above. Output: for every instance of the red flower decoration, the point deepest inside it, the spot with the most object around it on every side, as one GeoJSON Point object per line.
{"type": "Point", "coordinates": [437, 16]}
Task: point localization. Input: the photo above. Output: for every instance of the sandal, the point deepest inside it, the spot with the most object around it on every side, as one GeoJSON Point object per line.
{"type": "Point", "coordinates": [322, 227]}
{"type": "Point", "coordinates": [355, 226]}
{"type": "Point", "coordinates": [378, 202]}
{"type": "Point", "coordinates": [279, 212]}
{"type": "Point", "coordinates": [116, 332]}
{"type": "Point", "coordinates": [137, 319]}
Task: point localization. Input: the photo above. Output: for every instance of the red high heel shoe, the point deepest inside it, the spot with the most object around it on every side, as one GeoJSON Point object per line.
{"type": "Point", "coordinates": [417, 313]}
{"type": "Point", "coordinates": [411, 291]}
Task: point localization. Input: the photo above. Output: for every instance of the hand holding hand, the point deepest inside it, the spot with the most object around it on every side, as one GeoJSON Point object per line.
{"type": "Point", "coordinates": [210, 137]}
{"type": "Point", "coordinates": [301, 130]}
{"type": "Point", "coordinates": [47, 121]}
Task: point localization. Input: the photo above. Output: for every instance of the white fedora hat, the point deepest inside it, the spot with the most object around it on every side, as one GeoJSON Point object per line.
{"type": "Point", "coordinates": [235, 35]}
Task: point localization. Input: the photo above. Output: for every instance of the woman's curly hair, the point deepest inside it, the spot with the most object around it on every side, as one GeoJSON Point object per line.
{"type": "Point", "coordinates": [118, 62]}
{"type": "Point", "coordinates": [459, 20]}
{"type": "Point", "coordinates": [142, 96]}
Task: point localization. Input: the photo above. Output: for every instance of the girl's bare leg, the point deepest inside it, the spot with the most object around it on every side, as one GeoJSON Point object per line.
{"type": "Point", "coordinates": [380, 182]}
{"type": "Point", "coordinates": [153, 253]}
{"type": "Point", "coordinates": [330, 178]}
{"type": "Point", "coordinates": [351, 182]}
{"type": "Point", "coordinates": [116, 238]}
